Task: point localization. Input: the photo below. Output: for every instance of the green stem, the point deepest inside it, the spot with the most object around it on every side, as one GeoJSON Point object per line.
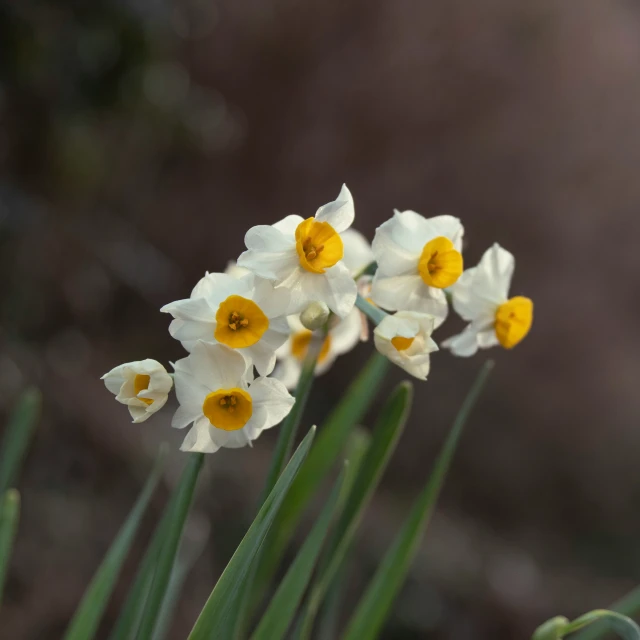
{"type": "Point", "coordinates": [375, 314]}
{"type": "Point", "coordinates": [289, 428]}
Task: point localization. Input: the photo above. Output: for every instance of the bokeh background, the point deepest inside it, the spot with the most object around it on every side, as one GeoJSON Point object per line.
{"type": "Point", "coordinates": [139, 139]}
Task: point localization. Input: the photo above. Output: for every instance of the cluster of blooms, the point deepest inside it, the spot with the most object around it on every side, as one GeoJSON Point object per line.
{"type": "Point", "coordinates": [300, 275]}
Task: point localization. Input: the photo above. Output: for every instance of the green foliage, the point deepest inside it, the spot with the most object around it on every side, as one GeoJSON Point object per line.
{"type": "Point", "coordinates": [9, 516]}
{"type": "Point", "coordinates": [170, 543]}
{"type": "Point", "coordinates": [378, 599]}
{"type": "Point", "coordinates": [20, 430]}
{"type": "Point", "coordinates": [216, 618]}
{"type": "Point", "coordinates": [329, 446]}
{"type": "Point", "coordinates": [605, 621]}
{"type": "Point", "coordinates": [278, 617]}
{"type": "Point", "coordinates": [87, 617]}
{"type": "Point", "coordinates": [386, 434]}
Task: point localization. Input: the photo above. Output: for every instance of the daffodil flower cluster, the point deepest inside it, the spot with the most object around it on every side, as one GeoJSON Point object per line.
{"type": "Point", "coordinates": [248, 331]}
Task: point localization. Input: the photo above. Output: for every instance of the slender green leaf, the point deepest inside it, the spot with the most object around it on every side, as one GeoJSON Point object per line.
{"type": "Point", "coordinates": [602, 620]}
{"type": "Point", "coordinates": [87, 616]}
{"type": "Point", "coordinates": [329, 615]}
{"type": "Point", "coordinates": [283, 606]}
{"type": "Point", "coordinates": [162, 575]}
{"type": "Point", "coordinates": [126, 627]}
{"type": "Point", "coordinates": [193, 543]}
{"type": "Point", "coordinates": [329, 446]}
{"type": "Point", "coordinates": [216, 618]}
{"type": "Point", "coordinates": [629, 606]}
{"type": "Point", "coordinates": [378, 599]}
{"type": "Point", "coordinates": [22, 424]}
{"type": "Point", "coordinates": [289, 428]}
{"type": "Point", "coordinates": [9, 515]}
{"type": "Point", "coordinates": [388, 430]}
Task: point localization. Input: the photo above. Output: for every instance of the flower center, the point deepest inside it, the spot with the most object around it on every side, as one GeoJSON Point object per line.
{"type": "Point", "coordinates": [228, 409]}
{"type": "Point", "coordinates": [440, 264]}
{"type": "Point", "coordinates": [318, 244]}
{"type": "Point", "coordinates": [513, 321]}
{"type": "Point", "coordinates": [300, 345]}
{"type": "Point", "coordinates": [401, 343]}
{"type": "Point", "coordinates": [141, 383]}
{"type": "Point", "coordinates": [240, 322]}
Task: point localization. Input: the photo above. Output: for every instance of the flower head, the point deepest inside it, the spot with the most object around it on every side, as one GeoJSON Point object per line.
{"type": "Point", "coordinates": [405, 338]}
{"type": "Point", "coordinates": [306, 256]}
{"type": "Point", "coordinates": [244, 313]}
{"type": "Point", "coordinates": [417, 258]}
{"type": "Point", "coordinates": [481, 298]}
{"type": "Point", "coordinates": [143, 386]}
{"type": "Point", "coordinates": [217, 394]}
{"type": "Point", "coordinates": [343, 335]}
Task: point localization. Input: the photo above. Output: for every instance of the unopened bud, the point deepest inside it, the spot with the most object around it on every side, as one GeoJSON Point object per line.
{"type": "Point", "coordinates": [315, 316]}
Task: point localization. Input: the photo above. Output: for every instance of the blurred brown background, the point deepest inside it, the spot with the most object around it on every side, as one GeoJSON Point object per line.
{"type": "Point", "coordinates": [139, 140]}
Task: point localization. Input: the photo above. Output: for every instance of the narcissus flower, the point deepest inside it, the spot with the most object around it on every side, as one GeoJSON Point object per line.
{"type": "Point", "coordinates": [358, 254]}
{"type": "Point", "coordinates": [244, 313]}
{"type": "Point", "coordinates": [417, 258]}
{"type": "Point", "coordinates": [343, 335]}
{"type": "Point", "coordinates": [306, 256]}
{"type": "Point", "coordinates": [220, 398]}
{"type": "Point", "coordinates": [143, 386]}
{"type": "Point", "coordinates": [405, 338]}
{"type": "Point", "coordinates": [481, 297]}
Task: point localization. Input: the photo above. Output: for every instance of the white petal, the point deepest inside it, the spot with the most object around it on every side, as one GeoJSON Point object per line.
{"type": "Point", "coordinates": [114, 380]}
{"type": "Point", "coordinates": [390, 248]}
{"type": "Point", "coordinates": [463, 344]}
{"type": "Point", "coordinates": [199, 439]}
{"type": "Point", "coordinates": [189, 391]}
{"type": "Point", "coordinates": [339, 291]}
{"type": "Point", "coordinates": [357, 251]}
{"type": "Point", "coordinates": [190, 309]}
{"type": "Point", "coordinates": [185, 415]}
{"type": "Point", "coordinates": [273, 302]}
{"type": "Point", "coordinates": [189, 332]}
{"type": "Point", "coordinates": [289, 225]}
{"type": "Point", "coordinates": [346, 333]}
{"type": "Point", "coordinates": [395, 326]}
{"type": "Point", "coordinates": [276, 266]}
{"type": "Point", "coordinates": [497, 265]}
{"type": "Point", "coordinates": [216, 366]}
{"type": "Point", "coordinates": [409, 293]}
{"type": "Point", "coordinates": [271, 397]}
{"type": "Point", "coordinates": [262, 356]}
{"type": "Point", "coordinates": [335, 287]}
{"type": "Point", "coordinates": [288, 372]}
{"type": "Point", "coordinates": [339, 213]}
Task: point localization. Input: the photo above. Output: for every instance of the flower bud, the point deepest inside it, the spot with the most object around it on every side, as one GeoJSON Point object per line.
{"type": "Point", "coordinates": [315, 316]}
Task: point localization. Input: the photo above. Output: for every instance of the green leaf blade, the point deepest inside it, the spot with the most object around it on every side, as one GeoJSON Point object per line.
{"type": "Point", "coordinates": [89, 613]}
{"type": "Point", "coordinates": [22, 425]}
{"type": "Point", "coordinates": [216, 619]}
{"type": "Point", "coordinates": [389, 428]}
{"type": "Point", "coordinates": [9, 516]}
{"type": "Point", "coordinates": [330, 444]}
{"type": "Point", "coordinates": [374, 607]}
{"type": "Point", "coordinates": [280, 613]}
{"type": "Point", "coordinates": [171, 541]}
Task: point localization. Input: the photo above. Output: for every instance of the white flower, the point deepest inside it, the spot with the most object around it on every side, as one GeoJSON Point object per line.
{"type": "Point", "coordinates": [417, 258]}
{"type": "Point", "coordinates": [405, 338]}
{"type": "Point", "coordinates": [481, 297]}
{"type": "Point", "coordinates": [217, 395]}
{"type": "Point", "coordinates": [245, 313]}
{"type": "Point", "coordinates": [232, 269]}
{"type": "Point", "coordinates": [305, 256]}
{"type": "Point", "coordinates": [143, 386]}
{"type": "Point", "coordinates": [358, 253]}
{"type": "Point", "coordinates": [343, 335]}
